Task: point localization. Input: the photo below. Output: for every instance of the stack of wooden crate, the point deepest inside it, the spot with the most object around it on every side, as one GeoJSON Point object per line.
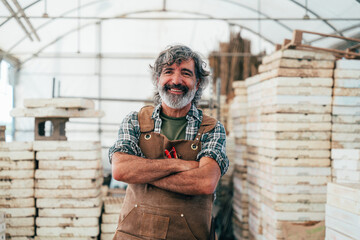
{"type": "Point", "coordinates": [343, 211]}
{"type": "Point", "coordinates": [112, 207]}
{"type": "Point", "coordinates": [17, 168]}
{"type": "Point", "coordinates": [346, 118]}
{"type": "Point", "coordinates": [68, 189]}
{"type": "Point", "coordinates": [238, 111]}
{"type": "Point", "coordinates": [2, 226]}
{"type": "Point", "coordinates": [288, 138]}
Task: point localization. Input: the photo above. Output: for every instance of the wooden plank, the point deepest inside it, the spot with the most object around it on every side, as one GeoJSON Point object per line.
{"type": "Point", "coordinates": [68, 202]}
{"type": "Point", "coordinates": [66, 145]}
{"type": "Point", "coordinates": [58, 103]}
{"type": "Point", "coordinates": [352, 231]}
{"type": "Point", "coordinates": [16, 174]}
{"type": "Point", "coordinates": [295, 108]}
{"type": "Point", "coordinates": [67, 193]}
{"type": "Point", "coordinates": [64, 155]}
{"type": "Point", "coordinates": [293, 198]}
{"type": "Point", "coordinates": [68, 231]}
{"type": "Point", "coordinates": [20, 222]}
{"type": "Point", "coordinates": [16, 183]}
{"type": "Point", "coordinates": [348, 64]}
{"type": "Point", "coordinates": [355, 92]}
{"type": "Point", "coordinates": [345, 154]}
{"type": "Point", "coordinates": [347, 73]}
{"type": "Point", "coordinates": [70, 212]}
{"type": "Point", "coordinates": [346, 101]}
{"type": "Point", "coordinates": [69, 174]}
{"type": "Point", "coordinates": [293, 180]}
{"type": "Point", "coordinates": [296, 171]}
{"type": "Point", "coordinates": [67, 222]}
{"type": "Point", "coordinates": [293, 216]}
{"type": "Point", "coordinates": [16, 164]}
{"type": "Point", "coordinates": [298, 54]}
{"type": "Point", "coordinates": [17, 193]}
{"type": "Point", "coordinates": [290, 135]}
{"type": "Point", "coordinates": [20, 231]}
{"type": "Point", "coordinates": [274, 126]}
{"type": "Point", "coordinates": [347, 175]}
{"type": "Point", "coordinates": [343, 144]}
{"type": "Point", "coordinates": [113, 204]}
{"type": "Point", "coordinates": [289, 144]}
{"type": "Point", "coordinates": [346, 164]}
{"type": "Point", "coordinates": [350, 128]}
{"type": "Point", "coordinates": [69, 165]}
{"type": "Point", "coordinates": [63, 238]}
{"type": "Point", "coordinates": [293, 91]}
{"type": "Point", "coordinates": [55, 112]}
{"type": "Point", "coordinates": [346, 119]}
{"type": "Point", "coordinates": [343, 203]}
{"type": "Point", "coordinates": [335, 235]}
{"type": "Point", "coordinates": [16, 155]}
{"type": "Point", "coordinates": [295, 207]}
{"type": "Point", "coordinates": [342, 215]}
{"type": "Point", "coordinates": [286, 153]}
{"type": "Point", "coordinates": [294, 189]}
{"type": "Point", "coordinates": [290, 99]}
{"type": "Point", "coordinates": [68, 183]}
{"type": "Point", "coordinates": [296, 63]}
{"type": "Point", "coordinates": [346, 83]}
{"type": "Point", "coordinates": [13, 202]}
{"type": "Point", "coordinates": [348, 191]}
{"type": "Point", "coordinates": [108, 227]}
{"type": "Point", "coordinates": [110, 218]}
{"type": "Point", "coordinates": [346, 110]}
{"type": "Point", "coordinates": [18, 212]}
{"type": "Point", "coordinates": [16, 146]}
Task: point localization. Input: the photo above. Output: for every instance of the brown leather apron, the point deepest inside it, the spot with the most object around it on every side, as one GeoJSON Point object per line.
{"type": "Point", "coordinates": [149, 212]}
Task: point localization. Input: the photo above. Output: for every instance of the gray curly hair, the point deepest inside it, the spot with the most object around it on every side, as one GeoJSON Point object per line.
{"type": "Point", "coordinates": [177, 54]}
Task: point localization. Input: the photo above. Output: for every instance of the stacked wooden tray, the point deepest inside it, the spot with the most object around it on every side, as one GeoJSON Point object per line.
{"type": "Point", "coordinates": [346, 105]}
{"type": "Point", "coordinates": [110, 217]}
{"type": "Point", "coordinates": [343, 211]}
{"type": "Point", "coordinates": [68, 189]}
{"type": "Point", "coordinates": [288, 138]}
{"type": "Point", "coordinates": [346, 165]}
{"type": "Point", "coordinates": [2, 226]}
{"type": "Point", "coordinates": [238, 111]}
{"type": "Point", "coordinates": [17, 166]}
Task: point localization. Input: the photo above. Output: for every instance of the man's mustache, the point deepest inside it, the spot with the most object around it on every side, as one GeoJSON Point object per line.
{"type": "Point", "coordinates": [177, 86]}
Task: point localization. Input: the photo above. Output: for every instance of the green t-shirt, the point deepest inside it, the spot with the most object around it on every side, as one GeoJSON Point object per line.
{"type": "Point", "coordinates": [173, 128]}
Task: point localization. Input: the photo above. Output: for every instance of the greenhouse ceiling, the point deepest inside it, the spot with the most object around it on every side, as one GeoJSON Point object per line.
{"type": "Point", "coordinates": [141, 28]}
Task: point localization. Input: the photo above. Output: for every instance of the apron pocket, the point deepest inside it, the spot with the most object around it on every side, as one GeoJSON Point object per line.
{"type": "Point", "coordinates": [124, 236]}
{"type": "Point", "coordinates": [154, 226]}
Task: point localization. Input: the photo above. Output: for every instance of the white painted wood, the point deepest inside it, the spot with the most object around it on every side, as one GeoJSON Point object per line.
{"type": "Point", "coordinates": [295, 207]}
{"type": "Point", "coordinates": [293, 180]}
{"type": "Point", "coordinates": [348, 191]}
{"type": "Point", "coordinates": [350, 175]}
{"type": "Point", "coordinates": [113, 204]}
{"type": "Point", "coordinates": [16, 164]}
{"type": "Point", "coordinates": [290, 135]}
{"type": "Point", "coordinates": [66, 193]}
{"type": "Point", "coordinates": [69, 165]}
{"type": "Point", "coordinates": [346, 119]}
{"type": "Point", "coordinates": [16, 174]}
{"type": "Point", "coordinates": [355, 92]}
{"type": "Point", "coordinates": [346, 101]}
{"type": "Point", "coordinates": [295, 108]}
{"type": "Point", "coordinates": [63, 238]}
{"type": "Point", "coordinates": [346, 83]}
{"type": "Point", "coordinates": [65, 155]}
{"type": "Point", "coordinates": [20, 222]}
{"type": "Point", "coordinates": [108, 227]}
{"type": "Point", "coordinates": [55, 112]}
{"type": "Point", "coordinates": [342, 215]}
{"type": "Point", "coordinates": [12, 202]}
{"type": "Point", "coordinates": [293, 216]}
{"type": "Point", "coordinates": [69, 174]}
{"type": "Point", "coordinates": [348, 64]}
{"type": "Point", "coordinates": [297, 117]}
{"type": "Point", "coordinates": [351, 128]}
{"type": "Point", "coordinates": [16, 183]}
{"type": "Point", "coordinates": [110, 218]}
{"type": "Point", "coordinates": [18, 212]}
{"type": "Point", "coordinates": [285, 153]}
{"type": "Point", "coordinates": [17, 193]}
{"type": "Point", "coordinates": [288, 144]}
{"type": "Point", "coordinates": [68, 202]}
{"type": "Point", "coordinates": [295, 198]}
{"type": "Point", "coordinates": [343, 144]}
{"type": "Point", "coordinates": [294, 189]}
{"type": "Point", "coordinates": [346, 110]}
{"type": "Point", "coordinates": [67, 222]}
{"type": "Point", "coordinates": [20, 231]}
{"type": "Point", "coordinates": [58, 103]}
{"type": "Point", "coordinates": [68, 231]}
{"type": "Point", "coordinates": [346, 137]}
{"type": "Point", "coordinates": [335, 235]}
{"type": "Point", "coordinates": [16, 155]}
{"type": "Point", "coordinates": [68, 183]}
{"type": "Point", "coordinates": [296, 171]}
{"type": "Point", "coordinates": [346, 164]}
{"type": "Point", "coordinates": [345, 154]}
{"type": "Point", "coordinates": [347, 73]}
{"type": "Point", "coordinates": [66, 145]}
{"type": "Point", "coordinates": [298, 54]}
{"type": "Point", "coordinates": [340, 226]}
{"type": "Point", "coordinates": [16, 146]}
{"type": "Point", "coordinates": [274, 126]}
{"type": "Point", "coordinates": [296, 63]}
{"type": "Point", "coordinates": [69, 212]}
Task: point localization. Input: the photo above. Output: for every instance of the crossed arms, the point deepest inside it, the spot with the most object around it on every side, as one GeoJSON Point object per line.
{"type": "Point", "coordinates": [176, 175]}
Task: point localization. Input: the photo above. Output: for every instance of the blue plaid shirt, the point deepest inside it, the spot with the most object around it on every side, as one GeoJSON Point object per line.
{"type": "Point", "coordinates": [212, 143]}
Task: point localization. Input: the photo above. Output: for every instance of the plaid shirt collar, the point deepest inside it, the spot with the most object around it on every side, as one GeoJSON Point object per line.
{"type": "Point", "coordinates": [194, 118]}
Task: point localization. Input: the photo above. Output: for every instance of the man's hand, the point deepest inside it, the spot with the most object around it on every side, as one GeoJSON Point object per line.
{"type": "Point", "coordinates": [132, 169]}
{"type": "Point", "coordinates": [196, 181]}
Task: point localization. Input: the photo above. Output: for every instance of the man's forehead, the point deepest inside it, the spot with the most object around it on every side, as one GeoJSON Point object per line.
{"type": "Point", "coordinates": [188, 64]}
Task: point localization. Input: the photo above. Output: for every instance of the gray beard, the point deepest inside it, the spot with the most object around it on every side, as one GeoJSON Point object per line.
{"type": "Point", "coordinates": [176, 101]}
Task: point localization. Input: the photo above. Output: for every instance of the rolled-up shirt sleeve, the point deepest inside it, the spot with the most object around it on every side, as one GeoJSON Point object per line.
{"type": "Point", "coordinates": [128, 137]}
{"type": "Point", "coordinates": [214, 146]}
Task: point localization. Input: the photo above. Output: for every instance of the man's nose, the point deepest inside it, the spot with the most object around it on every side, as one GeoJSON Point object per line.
{"type": "Point", "coordinates": [177, 78]}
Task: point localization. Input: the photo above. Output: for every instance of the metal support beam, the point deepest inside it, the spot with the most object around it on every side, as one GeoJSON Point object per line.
{"type": "Point", "coordinates": [26, 19]}
{"type": "Point", "coordinates": [17, 18]}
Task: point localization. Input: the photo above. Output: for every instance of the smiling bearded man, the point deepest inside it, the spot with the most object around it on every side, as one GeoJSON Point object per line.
{"type": "Point", "coordinates": [171, 155]}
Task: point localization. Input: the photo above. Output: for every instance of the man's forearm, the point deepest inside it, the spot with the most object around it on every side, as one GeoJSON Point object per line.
{"type": "Point", "coordinates": [133, 169]}
{"type": "Point", "coordinates": [202, 180]}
